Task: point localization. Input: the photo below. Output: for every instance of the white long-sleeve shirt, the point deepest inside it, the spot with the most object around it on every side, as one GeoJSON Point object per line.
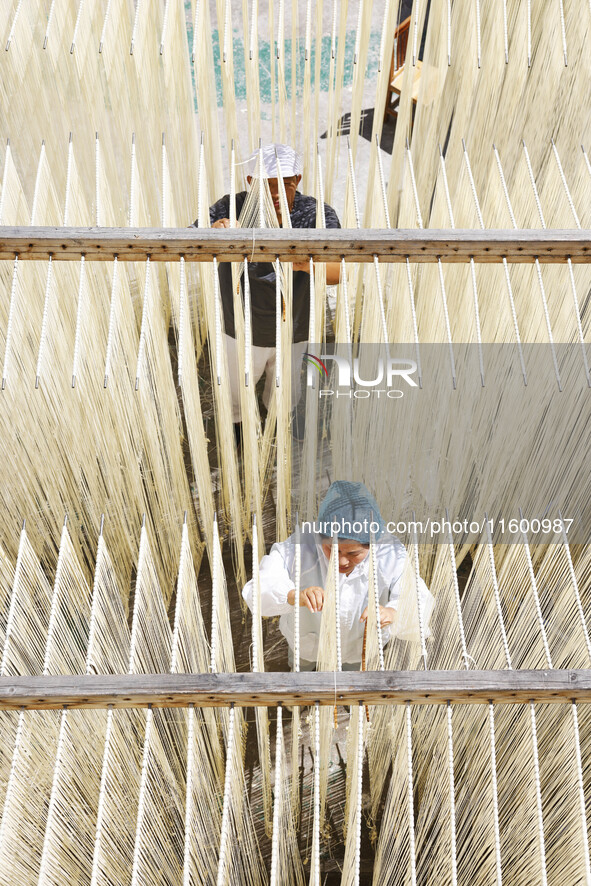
{"type": "Point", "coordinates": [276, 579]}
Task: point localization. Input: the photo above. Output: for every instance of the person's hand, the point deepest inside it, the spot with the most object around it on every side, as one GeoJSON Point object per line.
{"type": "Point", "coordinates": [387, 615]}
{"type": "Point", "coordinates": [221, 223]}
{"type": "Point", "coordinates": [312, 597]}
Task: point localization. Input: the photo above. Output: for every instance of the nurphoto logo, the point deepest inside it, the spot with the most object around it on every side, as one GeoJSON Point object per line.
{"type": "Point", "coordinates": [349, 383]}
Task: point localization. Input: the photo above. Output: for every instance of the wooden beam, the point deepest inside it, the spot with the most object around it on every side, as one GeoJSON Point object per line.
{"type": "Point", "coordinates": [194, 244]}
{"type": "Point", "coordinates": [349, 687]}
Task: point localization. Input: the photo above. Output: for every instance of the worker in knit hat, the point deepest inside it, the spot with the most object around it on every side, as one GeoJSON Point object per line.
{"type": "Point", "coordinates": [349, 513]}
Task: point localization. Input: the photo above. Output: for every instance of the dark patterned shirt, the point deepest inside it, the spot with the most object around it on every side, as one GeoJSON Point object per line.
{"type": "Point", "coordinates": [262, 276]}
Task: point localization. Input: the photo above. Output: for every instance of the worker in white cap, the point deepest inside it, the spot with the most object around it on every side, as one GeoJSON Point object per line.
{"type": "Point", "coordinates": [302, 210]}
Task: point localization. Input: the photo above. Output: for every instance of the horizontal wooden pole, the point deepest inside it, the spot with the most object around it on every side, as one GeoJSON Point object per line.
{"type": "Point", "coordinates": [246, 690]}
{"type": "Point", "coordinates": [194, 244]}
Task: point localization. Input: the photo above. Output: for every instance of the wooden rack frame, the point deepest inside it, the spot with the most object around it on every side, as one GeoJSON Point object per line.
{"type": "Point", "coordinates": [202, 244]}
{"type": "Point", "coordinates": [268, 689]}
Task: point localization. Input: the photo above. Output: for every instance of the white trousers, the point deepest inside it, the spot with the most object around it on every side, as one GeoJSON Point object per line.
{"type": "Point", "coordinates": [263, 360]}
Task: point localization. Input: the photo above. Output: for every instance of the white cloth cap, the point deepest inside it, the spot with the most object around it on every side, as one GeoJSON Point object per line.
{"type": "Point", "coordinates": [290, 161]}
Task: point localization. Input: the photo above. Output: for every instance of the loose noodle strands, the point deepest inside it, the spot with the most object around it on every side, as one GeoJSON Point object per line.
{"type": "Point", "coordinates": [69, 613]}
{"type": "Point", "coordinates": [563, 31]}
{"type": "Point", "coordinates": [187, 614]}
{"type": "Point", "coordinates": [222, 650]}
{"type": "Point", "coordinates": [447, 323]}
{"type": "Point", "coordinates": [315, 864]}
{"type": "Point", "coordinates": [538, 269]}
{"type": "Point", "coordinates": [183, 310]}
{"type": "Point", "coordinates": [10, 787]}
{"type": "Point", "coordinates": [51, 814]}
{"type": "Point", "coordinates": [415, 550]}
{"type": "Point", "coordinates": [247, 326]}
{"type": "Point", "coordinates": [505, 266]}
{"type": "Point", "coordinates": [281, 84]}
{"type": "Point", "coordinates": [5, 174]}
{"type": "Point", "coordinates": [321, 220]}
{"type": "Point", "coordinates": [37, 184]}
{"type": "Point", "coordinates": [335, 567]}
{"type": "Point", "coordinates": [30, 582]}
{"type": "Point", "coordinates": [108, 621]}
{"type": "Point", "coordinates": [381, 307]}
{"type": "Point", "coordinates": [409, 277]}
{"type": "Point", "coordinates": [232, 186]}
{"type": "Point", "coordinates": [112, 318]}
{"type": "Point", "coordinates": [351, 867]}
{"type": "Point", "coordinates": [570, 266]}
{"type": "Point", "coordinates": [343, 302]}
{"type": "Point", "coordinates": [252, 71]}
{"type": "Point", "coordinates": [578, 319]}
{"type": "Point", "coordinates": [410, 789]}
{"type": "Point", "coordinates": [375, 647]}
{"type": "Point", "coordinates": [296, 715]}
{"type": "Point", "coordinates": [493, 571]}
{"type": "Point", "coordinates": [411, 296]}
{"type": "Point", "coordinates": [297, 579]}
{"type": "Point", "coordinates": [215, 595]}
{"type": "Point", "coordinates": [540, 819]}
{"type": "Point", "coordinates": [190, 655]}
{"type": "Point", "coordinates": [575, 586]}
{"type": "Point", "coordinates": [226, 69]}
{"type": "Point", "coordinates": [543, 632]}
{"type": "Point", "coordinates": [100, 819]}
{"type": "Point", "coordinates": [189, 384]}
{"type": "Point", "coordinates": [286, 863]}
{"type": "Point", "coordinates": [27, 622]}
{"type": "Point", "coordinates": [472, 265]}
{"type": "Point", "coordinates": [458, 603]}
{"type": "Point", "coordinates": [10, 324]}
{"type": "Point", "coordinates": [226, 446]}
{"type": "Point", "coordinates": [135, 26]}
{"type": "Point", "coordinates": [493, 767]}
{"type": "Point", "coordinates": [151, 637]}
{"type": "Point", "coordinates": [353, 189]}
{"type": "Point", "coordinates": [258, 666]}
{"type": "Point", "coordinates": [285, 213]}
{"type": "Point", "coordinates": [565, 185]}
{"type": "Point", "coordinates": [13, 25]}
{"type": "Point", "coordinates": [329, 659]}
{"type": "Point", "coordinates": [257, 630]}
{"type": "Point", "coordinates": [534, 589]}
{"type": "Point", "coordinates": [278, 313]}
{"type": "Point", "coordinates": [135, 872]}
{"type": "Point", "coordinates": [164, 27]}
{"type": "Point", "coordinates": [189, 798]}
{"type": "Point", "coordinates": [79, 316]}
{"type": "Point", "coordinates": [105, 25]}
{"type": "Point", "coordinates": [414, 186]}
{"type": "Point", "coordinates": [97, 181]}
{"type": "Point", "coordinates": [452, 801]}
{"type": "Point", "coordinates": [584, 833]}
{"type": "Point", "coordinates": [477, 319]}
{"type": "Point", "coordinates": [224, 839]}
{"type": "Point", "coordinates": [249, 410]}
{"type": "Point", "coordinates": [383, 184]}
{"type": "Point", "coordinates": [277, 801]}
{"type": "Point", "coordinates": [143, 331]}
